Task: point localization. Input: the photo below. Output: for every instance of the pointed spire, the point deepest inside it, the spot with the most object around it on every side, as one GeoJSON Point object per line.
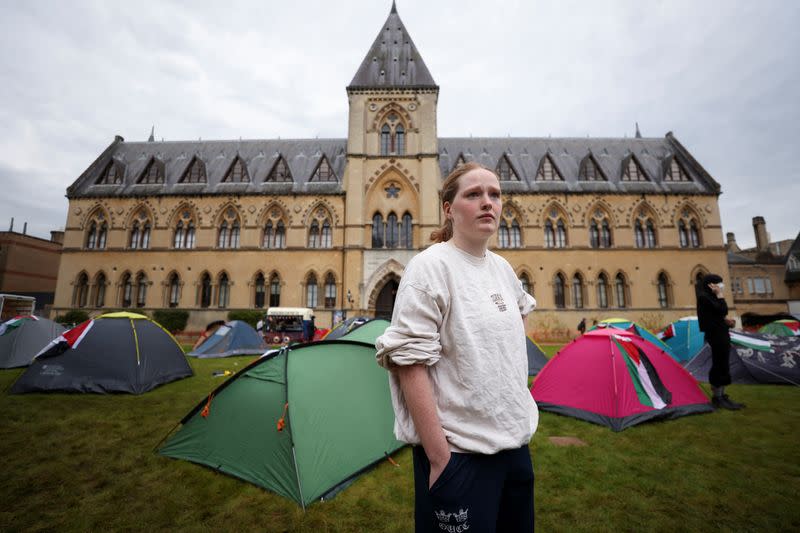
{"type": "Point", "coordinates": [152, 134]}
{"type": "Point", "coordinates": [393, 60]}
{"type": "Point", "coordinates": [638, 133]}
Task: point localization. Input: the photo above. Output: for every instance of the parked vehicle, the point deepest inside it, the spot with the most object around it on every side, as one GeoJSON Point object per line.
{"type": "Point", "coordinates": [289, 324]}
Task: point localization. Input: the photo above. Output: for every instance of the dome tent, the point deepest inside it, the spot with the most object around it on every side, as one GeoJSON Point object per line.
{"type": "Point", "coordinates": [536, 357]}
{"type": "Point", "coordinates": [636, 329]}
{"type": "Point", "coordinates": [234, 338]}
{"type": "Point", "coordinates": [615, 378]}
{"type": "Point", "coordinates": [301, 421]}
{"type": "Point", "coordinates": [22, 337]}
{"type": "Point", "coordinates": [115, 352]}
{"type": "Point", "coordinates": [782, 328]}
{"type": "Point", "coordinates": [684, 338]}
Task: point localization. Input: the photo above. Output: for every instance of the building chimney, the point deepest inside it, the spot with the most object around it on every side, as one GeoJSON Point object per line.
{"type": "Point", "coordinates": [57, 237]}
{"type": "Point", "coordinates": [11, 227]}
{"type": "Point", "coordinates": [731, 244]}
{"type": "Point", "coordinates": [25, 228]}
{"type": "Point", "coordinates": [760, 229]}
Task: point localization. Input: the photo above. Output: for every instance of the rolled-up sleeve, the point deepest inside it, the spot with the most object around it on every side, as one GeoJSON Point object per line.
{"type": "Point", "coordinates": [413, 337]}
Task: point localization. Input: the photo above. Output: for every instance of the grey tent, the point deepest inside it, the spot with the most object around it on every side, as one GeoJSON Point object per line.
{"type": "Point", "coordinates": [115, 352]}
{"type": "Point", "coordinates": [21, 338]}
{"type": "Point", "coordinates": [754, 358]}
{"type": "Point", "coordinates": [536, 357]}
{"type": "Point", "coordinates": [234, 338]}
{"type": "Point", "coordinates": [345, 327]}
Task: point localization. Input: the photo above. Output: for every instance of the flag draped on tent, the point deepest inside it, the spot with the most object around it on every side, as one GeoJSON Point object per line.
{"type": "Point", "coordinates": [14, 323]}
{"type": "Point", "coordinates": [69, 339]}
{"type": "Point", "coordinates": [649, 387]}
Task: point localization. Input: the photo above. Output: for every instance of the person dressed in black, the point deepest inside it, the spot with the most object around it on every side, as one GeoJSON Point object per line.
{"type": "Point", "coordinates": [712, 311]}
{"type": "Point", "coordinates": [582, 326]}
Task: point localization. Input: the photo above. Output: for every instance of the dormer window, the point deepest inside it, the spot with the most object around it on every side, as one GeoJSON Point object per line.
{"type": "Point", "coordinates": [632, 170]}
{"type": "Point", "coordinates": [237, 173]}
{"type": "Point", "coordinates": [590, 170]}
{"type": "Point", "coordinates": [675, 171]}
{"type": "Point", "coordinates": [113, 174]}
{"type": "Point", "coordinates": [153, 172]}
{"type": "Point", "coordinates": [280, 172]}
{"type": "Point", "coordinates": [323, 172]}
{"type": "Point", "coordinates": [548, 171]}
{"type": "Point", "coordinates": [505, 171]}
{"type": "Point", "coordinates": [195, 172]}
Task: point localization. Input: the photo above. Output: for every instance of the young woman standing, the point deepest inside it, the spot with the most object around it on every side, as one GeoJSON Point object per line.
{"type": "Point", "coordinates": [457, 356]}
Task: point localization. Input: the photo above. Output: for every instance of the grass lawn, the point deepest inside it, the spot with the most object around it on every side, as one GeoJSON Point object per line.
{"type": "Point", "coordinates": [86, 462]}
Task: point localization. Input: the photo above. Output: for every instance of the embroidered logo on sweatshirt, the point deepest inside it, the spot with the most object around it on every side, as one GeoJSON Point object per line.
{"type": "Point", "coordinates": [498, 301]}
{"type": "Point", "coordinates": [453, 522]}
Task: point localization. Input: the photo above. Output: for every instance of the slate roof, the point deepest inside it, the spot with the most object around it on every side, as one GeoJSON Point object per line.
{"type": "Point", "coordinates": [393, 61]}
{"type": "Point", "coordinates": [303, 156]}
{"type": "Point", "coordinates": [611, 155]}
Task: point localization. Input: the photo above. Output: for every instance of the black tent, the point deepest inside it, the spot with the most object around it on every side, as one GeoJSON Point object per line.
{"type": "Point", "coordinates": [754, 358]}
{"type": "Point", "coordinates": [536, 357]}
{"type": "Point", "coordinates": [116, 352]}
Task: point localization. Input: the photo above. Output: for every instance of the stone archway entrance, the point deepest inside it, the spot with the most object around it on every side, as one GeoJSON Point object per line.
{"type": "Point", "coordinates": [384, 303]}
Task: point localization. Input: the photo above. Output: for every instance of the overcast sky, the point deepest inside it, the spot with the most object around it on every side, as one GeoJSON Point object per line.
{"type": "Point", "coordinates": [723, 76]}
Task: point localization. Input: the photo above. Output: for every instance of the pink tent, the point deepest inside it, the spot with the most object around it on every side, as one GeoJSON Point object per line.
{"type": "Point", "coordinates": [615, 378]}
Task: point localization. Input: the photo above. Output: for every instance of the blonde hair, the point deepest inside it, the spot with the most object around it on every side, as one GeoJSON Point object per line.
{"type": "Point", "coordinates": [449, 191]}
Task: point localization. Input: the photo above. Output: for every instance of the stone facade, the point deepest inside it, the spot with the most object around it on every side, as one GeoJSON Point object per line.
{"type": "Point", "coordinates": [594, 227]}
{"type": "Point", "coordinates": [29, 265]}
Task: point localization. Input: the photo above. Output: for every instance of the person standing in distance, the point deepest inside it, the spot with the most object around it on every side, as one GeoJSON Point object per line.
{"type": "Point", "coordinates": [712, 311]}
{"type": "Point", "coordinates": [458, 369]}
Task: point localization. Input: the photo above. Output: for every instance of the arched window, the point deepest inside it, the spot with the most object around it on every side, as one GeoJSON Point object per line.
{"type": "Point", "coordinates": [683, 234]}
{"type": "Point", "coordinates": [645, 230]}
{"type": "Point", "coordinates": [577, 291]}
{"type": "Point", "coordinates": [140, 231]}
{"type": "Point", "coordinates": [127, 290]}
{"type": "Point", "coordinates": [688, 229]}
{"type": "Point", "coordinates": [377, 230]}
{"type": "Point", "coordinates": [141, 289]}
{"type": "Point", "coordinates": [224, 291]}
{"type": "Point", "coordinates": [205, 290]}
{"type": "Point", "coordinates": [100, 290]}
{"type": "Point", "coordinates": [274, 291]}
{"type": "Point", "coordinates": [311, 290]}
{"type": "Point", "coordinates": [561, 234]}
{"type": "Point", "coordinates": [229, 229]}
{"type": "Point", "coordinates": [320, 234]}
{"type": "Point", "coordinates": [134, 240]}
{"type": "Point", "coordinates": [386, 142]}
{"type": "Point", "coordinates": [330, 291]}
{"type": "Point", "coordinates": [174, 288]}
{"type": "Point", "coordinates": [393, 136]}
{"type": "Point", "coordinates": [82, 290]}
{"type": "Point", "coordinates": [694, 233]}
{"type": "Point", "coordinates": [313, 235]}
{"type": "Point", "coordinates": [526, 282]}
{"type": "Point", "coordinates": [559, 292]}
{"type": "Point", "coordinates": [509, 234]}
{"type": "Point", "coordinates": [549, 234]}
{"type": "Point", "coordinates": [619, 291]}
{"type": "Point", "coordinates": [555, 229]}
{"type": "Point", "coordinates": [663, 290]}
{"type": "Point", "coordinates": [602, 291]}
{"type": "Point", "coordinates": [260, 290]}
{"type": "Point", "coordinates": [599, 230]}
{"type": "Point", "coordinates": [184, 231]}
{"type": "Point", "coordinates": [98, 231]}
{"type": "Point", "coordinates": [392, 231]}
{"type": "Point", "coordinates": [406, 238]}
{"type": "Point", "coordinates": [274, 230]}
{"type": "Point", "coordinates": [400, 135]}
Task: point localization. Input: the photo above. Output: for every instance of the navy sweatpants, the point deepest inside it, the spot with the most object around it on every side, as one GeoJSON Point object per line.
{"type": "Point", "coordinates": [476, 493]}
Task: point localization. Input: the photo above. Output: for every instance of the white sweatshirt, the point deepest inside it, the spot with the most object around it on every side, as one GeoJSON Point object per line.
{"type": "Point", "coordinates": [462, 317]}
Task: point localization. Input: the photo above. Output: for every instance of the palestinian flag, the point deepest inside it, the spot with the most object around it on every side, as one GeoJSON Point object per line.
{"type": "Point", "coordinates": [649, 388]}
{"type": "Point", "coordinates": [750, 342]}
{"type": "Point", "coordinates": [69, 339]}
{"type": "Point", "coordinates": [666, 333]}
{"type": "Point", "coordinates": [14, 323]}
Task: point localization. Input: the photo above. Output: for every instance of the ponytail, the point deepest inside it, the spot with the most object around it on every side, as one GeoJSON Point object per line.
{"type": "Point", "coordinates": [449, 190]}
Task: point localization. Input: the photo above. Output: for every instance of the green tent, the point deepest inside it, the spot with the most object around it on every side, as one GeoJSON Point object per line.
{"type": "Point", "coordinates": [301, 422]}
{"type": "Point", "coordinates": [368, 332]}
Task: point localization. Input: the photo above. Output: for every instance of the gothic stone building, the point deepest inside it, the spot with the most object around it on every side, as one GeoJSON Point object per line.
{"type": "Point", "coordinates": [594, 227]}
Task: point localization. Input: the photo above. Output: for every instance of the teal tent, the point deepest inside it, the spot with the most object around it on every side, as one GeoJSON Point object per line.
{"type": "Point", "coordinates": [684, 338]}
{"type": "Point", "coordinates": [633, 327]}
{"type": "Point", "coordinates": [301, 422]}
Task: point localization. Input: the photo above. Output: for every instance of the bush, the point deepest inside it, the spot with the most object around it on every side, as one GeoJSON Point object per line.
{"type": "Point", "coordinates": [173, 320]}
{"type": "Point", "coordinates": [246, 315]}
{"type": "Point", "coordinates": [74, 316]}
